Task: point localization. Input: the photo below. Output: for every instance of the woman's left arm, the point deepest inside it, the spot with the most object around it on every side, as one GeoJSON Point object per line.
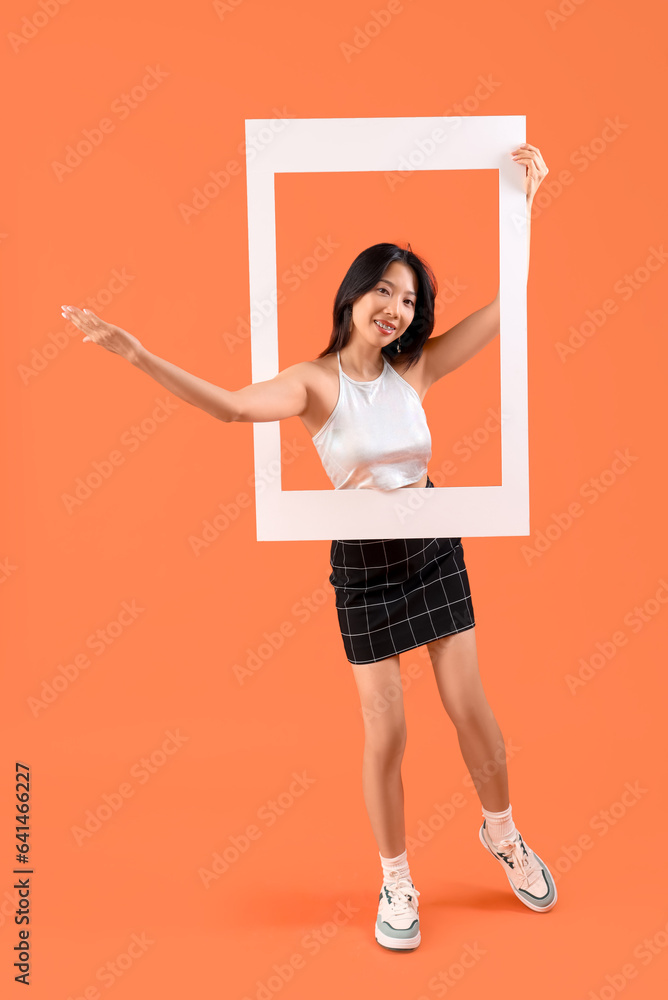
{"type": "Point", "coordinates": [461, 342]}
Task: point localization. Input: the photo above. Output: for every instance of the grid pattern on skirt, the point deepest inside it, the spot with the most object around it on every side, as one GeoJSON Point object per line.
{"type": "Point", "coordinates": [393, 594]}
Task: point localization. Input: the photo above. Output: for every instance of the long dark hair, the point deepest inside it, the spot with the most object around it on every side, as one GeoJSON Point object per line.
{"type": "Point", "coordinates": [362, 275]}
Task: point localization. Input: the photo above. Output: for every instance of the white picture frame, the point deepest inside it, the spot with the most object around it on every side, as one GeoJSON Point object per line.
{"type": "Point", "coordinates": [379, 144]}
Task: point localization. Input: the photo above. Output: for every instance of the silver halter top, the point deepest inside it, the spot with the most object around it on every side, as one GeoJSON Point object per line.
{"type": "Point", "coordinates": [377, 436]}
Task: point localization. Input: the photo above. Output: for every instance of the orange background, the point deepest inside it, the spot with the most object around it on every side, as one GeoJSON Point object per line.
{"type": "Point", "coordinates": [174, 666]}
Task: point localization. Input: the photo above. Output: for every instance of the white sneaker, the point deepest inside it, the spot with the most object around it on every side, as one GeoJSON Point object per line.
{"type": "Point", "coordinates": [529, 877]}
{"type": "Point", "coordinates": [398, 923]}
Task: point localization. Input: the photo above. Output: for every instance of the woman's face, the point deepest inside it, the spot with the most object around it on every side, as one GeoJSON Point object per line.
{"type": "Point", "coordinates": [391, 302]}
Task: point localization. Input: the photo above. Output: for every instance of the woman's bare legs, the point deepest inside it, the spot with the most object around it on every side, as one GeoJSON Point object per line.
{"type": "Point", "coordinates": [455, 662]}
{"type": "Point", "coordinates": [382, 703]}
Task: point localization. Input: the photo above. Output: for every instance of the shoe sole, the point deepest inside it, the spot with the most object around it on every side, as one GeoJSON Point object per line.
{"type": "Point", "coordinates": [397, 944]}
{"type": "Point", "coordinates": [522, 899]}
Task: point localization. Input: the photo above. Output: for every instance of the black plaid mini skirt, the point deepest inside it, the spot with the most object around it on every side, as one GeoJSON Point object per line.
{"type": "Point", "coordinates": [393, 594]}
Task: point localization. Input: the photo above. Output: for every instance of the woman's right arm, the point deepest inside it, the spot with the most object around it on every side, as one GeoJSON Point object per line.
{"type": "Point", "coordinates": [277, 398]}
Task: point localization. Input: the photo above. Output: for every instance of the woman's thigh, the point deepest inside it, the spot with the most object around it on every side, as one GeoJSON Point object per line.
{"type": "Point", "coordinates": [382, 703]}
{"type": "Point", "coordinates": [455, 662]}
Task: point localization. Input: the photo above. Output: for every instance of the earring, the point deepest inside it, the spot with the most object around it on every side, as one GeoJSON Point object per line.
{"type": "Point", "coordinates": [399, 346]}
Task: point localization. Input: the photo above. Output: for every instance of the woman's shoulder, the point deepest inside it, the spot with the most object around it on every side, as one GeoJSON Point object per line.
{"type": "Point", "coordinates": [415, 375]}
{"type": "Point", "coordinates": [319, 368]}
{"type": "Point", "coordinates": [319, 376]}
{"type": "Point", "coordinates": [306, 371]}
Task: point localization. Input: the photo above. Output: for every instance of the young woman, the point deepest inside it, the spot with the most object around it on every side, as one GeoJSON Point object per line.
{"type": "Point", "coordinates": [361, 402]}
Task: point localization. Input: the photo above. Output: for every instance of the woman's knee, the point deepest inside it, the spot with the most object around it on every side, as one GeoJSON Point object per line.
{"type": "Point", "coordinates": [385, 742]}
{"type": "Point", "coordinates": [470, 715]}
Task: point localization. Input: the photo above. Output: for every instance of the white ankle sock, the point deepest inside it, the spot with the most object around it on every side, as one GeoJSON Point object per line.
{"type": "Point", "coordinates": [500, 825]}
{"type": "Point", "coordinates": [395, 868]}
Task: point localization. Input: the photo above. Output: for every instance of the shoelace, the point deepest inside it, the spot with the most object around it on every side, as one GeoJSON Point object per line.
{"type": "Point", "coordinates": [399, 891]}
{"type": "Point", "coordinates": [525, 870]}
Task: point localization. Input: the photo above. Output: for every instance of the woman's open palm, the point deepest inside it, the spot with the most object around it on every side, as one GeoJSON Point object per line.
{"type": "Point", "coordinates": [113, 338]}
